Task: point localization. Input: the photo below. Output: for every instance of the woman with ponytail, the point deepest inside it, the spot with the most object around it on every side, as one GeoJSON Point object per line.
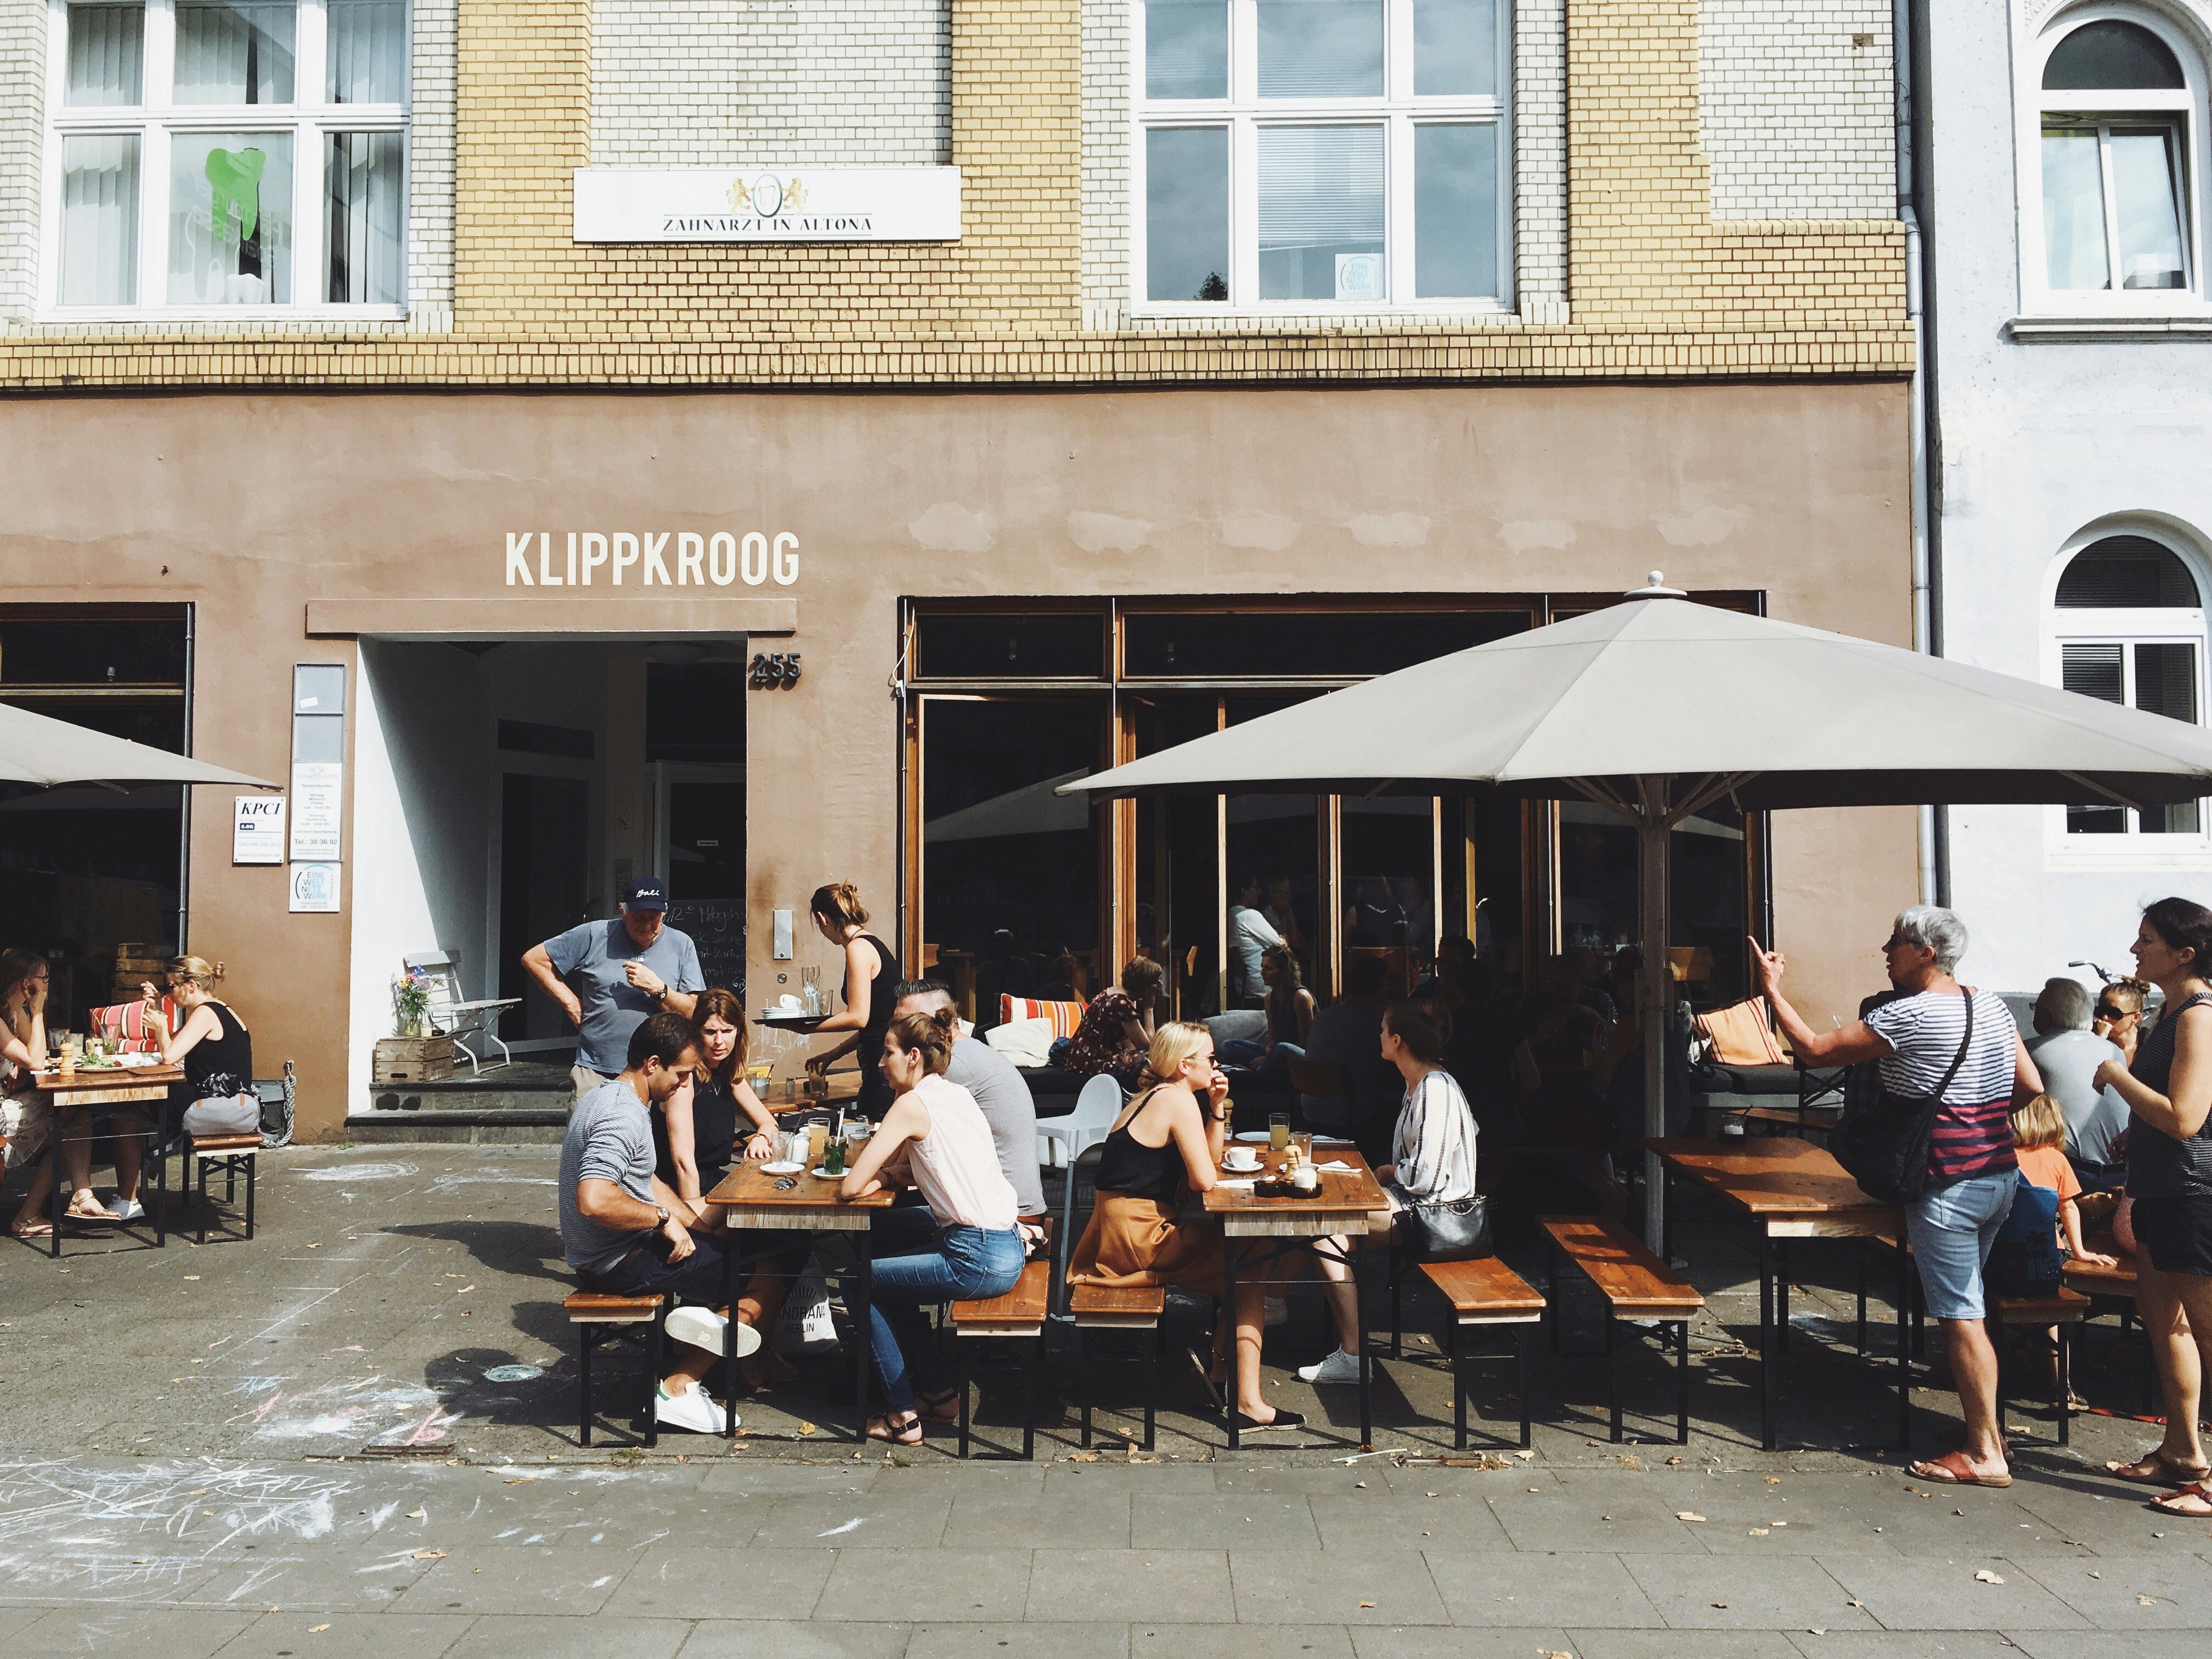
{"type": "Point", "coordinates": [871, 977]}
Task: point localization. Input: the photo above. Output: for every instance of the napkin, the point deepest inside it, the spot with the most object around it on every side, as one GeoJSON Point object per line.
{"type": "Point", "coordinates": [1236, 1181]}
{"type": "Point", "coordinates": [1334, 1166]}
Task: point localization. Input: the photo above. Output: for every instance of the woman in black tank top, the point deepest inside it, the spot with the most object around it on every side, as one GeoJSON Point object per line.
{"type": "Point", "coordinates": [2169, 1091]}
{"type": "Point", "coordinates": [872, 979]}
{"type": "Point", "coordinates": [1138, 1233]}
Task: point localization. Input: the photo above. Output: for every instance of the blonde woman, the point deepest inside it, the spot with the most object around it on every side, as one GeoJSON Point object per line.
{"type": "Point", "coordinates": [871, 977]}
{"type": "Point", "coordinates": [215, 1049]}
{"type": "Point", "coordinates": [1169, 1140]}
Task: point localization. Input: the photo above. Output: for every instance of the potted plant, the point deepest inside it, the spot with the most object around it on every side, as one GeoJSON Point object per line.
{"type": "Point", "coordinates": [410, 1002]}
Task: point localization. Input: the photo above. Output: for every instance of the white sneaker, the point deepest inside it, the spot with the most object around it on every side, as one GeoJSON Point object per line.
{"type": "Point", "coordinates": [692, 1410]}
{"type": "Point", "coordinates": [129, 1209]}
{"type": "Point", "coordinates": [702, 1327]}
{"type": "Point", "coordinates": [1337, 1366]}
{"type": "Point", "coordinates": [1278, 1312]}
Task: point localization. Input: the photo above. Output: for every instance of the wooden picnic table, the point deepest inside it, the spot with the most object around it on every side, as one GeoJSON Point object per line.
{"type": "Point", "coordinates": [1340, 1205]}
{"type": "Point", "coordinates": [754, 1197]}
{"type": "Point", "coordinates": [1790, 1189]}
{"type": "Point", "coordinates": [91, 1088]}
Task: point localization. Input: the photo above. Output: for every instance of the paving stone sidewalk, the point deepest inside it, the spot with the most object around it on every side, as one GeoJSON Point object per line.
{"type": "Point", "coordinates": [183, 1472]}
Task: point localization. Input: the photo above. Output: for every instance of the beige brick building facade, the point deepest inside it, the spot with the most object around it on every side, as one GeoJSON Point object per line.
{"type": "Point", "coordinates": [1652, 280]}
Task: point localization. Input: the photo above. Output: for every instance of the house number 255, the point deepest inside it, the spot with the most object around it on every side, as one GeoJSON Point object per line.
{"type": "Point", "coordinates": [770, 673]}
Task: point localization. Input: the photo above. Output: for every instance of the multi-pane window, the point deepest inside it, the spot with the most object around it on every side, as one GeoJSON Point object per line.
{"type": "Point", "coordinates": [2130, 627]}
{"type": "Point", "coordinates": [1303, 153]}
{"type": "Point", "coordinates": [217, 154]}
{"type": "Point", "coordinates": [2117, 112]}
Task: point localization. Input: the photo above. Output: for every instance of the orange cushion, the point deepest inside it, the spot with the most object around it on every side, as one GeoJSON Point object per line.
{"type": "Point", "coordinates": [1741, 1035]}
{"type": "Point", "coordinates": [128, 1024]}
{"type": "Point", "coordinates": [1065, 1016]}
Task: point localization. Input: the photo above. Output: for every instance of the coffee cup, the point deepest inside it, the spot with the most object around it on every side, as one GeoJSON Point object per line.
{"type": "Point", "coordinates": [1305, 1178]}
{"type": "Point", "coordinates": [1243, 1157]}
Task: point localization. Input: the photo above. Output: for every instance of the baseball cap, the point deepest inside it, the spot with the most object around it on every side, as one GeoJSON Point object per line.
{"type": "Point", "coordinates": [645, 893]}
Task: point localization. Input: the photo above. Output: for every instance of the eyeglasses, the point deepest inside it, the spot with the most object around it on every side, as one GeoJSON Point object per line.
{"type": "Point", "coordinates": [2105, 1011]}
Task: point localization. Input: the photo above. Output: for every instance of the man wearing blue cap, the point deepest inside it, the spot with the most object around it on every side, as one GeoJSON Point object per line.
{"type": "Point", "coordinates": [609, 977]}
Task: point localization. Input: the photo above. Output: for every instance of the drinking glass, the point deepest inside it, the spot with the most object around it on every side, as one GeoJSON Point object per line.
{"type": "Point", "coordinates": [1279, 1130]}
{"type": "Point", "coordinates": [1302, 1147]}
{"type": "Point", "coordinates": [833, 1157]}
{"type": "Point", "coordinates": [817, 1139]}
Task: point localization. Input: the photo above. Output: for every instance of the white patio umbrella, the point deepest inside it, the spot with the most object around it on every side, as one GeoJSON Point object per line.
{"type": "Point", "coordinates": [45, 753]}
{"type": "Point", "coordinates": [1657, 708]}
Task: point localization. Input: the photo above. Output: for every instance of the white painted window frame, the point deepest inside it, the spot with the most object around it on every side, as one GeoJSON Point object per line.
{"type": "Point", "coordinates": [2031, 105]}
{"type": "Point", "coordinates": [309, 123]}
{"type": "Point", "coordinates": [1244, 112]}
{"type": "Point", "coordinates": [2136, 848]}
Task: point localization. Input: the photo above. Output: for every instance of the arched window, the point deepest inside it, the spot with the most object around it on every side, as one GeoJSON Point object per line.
{"type": "Point", "coordinates": [2118, 103]}
{"type": "Point", "coordinates": [2131, 629]}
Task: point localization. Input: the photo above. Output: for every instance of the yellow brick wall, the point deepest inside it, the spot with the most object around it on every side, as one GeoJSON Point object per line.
{"type": "Point", "coordinates": [1657, 288]}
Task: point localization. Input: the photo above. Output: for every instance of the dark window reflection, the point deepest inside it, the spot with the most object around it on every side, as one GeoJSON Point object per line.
{"type": "Point", "coordinates": [1009, 645]}
{"type": "Point", "coordinates": [41, 651]}
{"type": "Point", "coordinates": [1598, 894]}
{"type": "Point", "coordinates": [1275, 873]}
{"type": "Point", "coordinates": [1010, 869]}
{"type": "Point", "coordinates": [1305, 644]}
{"type": "Point", "coordinates": [1178, 904]}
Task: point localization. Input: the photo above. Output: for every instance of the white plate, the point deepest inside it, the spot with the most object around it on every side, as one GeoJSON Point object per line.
{"type": "Point", "coordinates": [824, 1174]}
{"type": "Point", "coordinates": [1259, 1137]}
{"type": "Point", "coordinates": [781, 1166]}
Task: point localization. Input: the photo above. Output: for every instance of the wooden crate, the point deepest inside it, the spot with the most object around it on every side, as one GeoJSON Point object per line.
{"type": "Point", "coordinates": [413, 1059]}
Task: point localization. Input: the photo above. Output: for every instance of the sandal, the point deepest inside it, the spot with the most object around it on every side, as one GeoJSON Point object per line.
{"type": "Point", "coordinates": [939, 1408]}
{"type": "Point", "coordinates": [905, 1434]}
{"type": "Point", "coordinates": [98, 1212]}
{"type": "Point", "coordinates": [30, 1226]}
{"type": "Point", "coordinates": [2194, 1493]}
{"type": "Point", "coordinates": [1943, 1471]}
{"type": "Point", "coordinates": [2155, 1468]}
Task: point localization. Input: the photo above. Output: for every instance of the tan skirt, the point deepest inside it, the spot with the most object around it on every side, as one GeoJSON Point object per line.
{"type": "Point", "coordinates": [1141, 1241]}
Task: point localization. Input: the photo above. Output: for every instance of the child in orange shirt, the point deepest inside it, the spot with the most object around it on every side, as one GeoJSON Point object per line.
{"type": "Point", "coordinates": [2038, 1139]}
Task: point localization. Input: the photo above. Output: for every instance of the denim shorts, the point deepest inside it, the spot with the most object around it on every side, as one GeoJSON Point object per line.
{"type": "Point", "coordinates": [1953, 1231]}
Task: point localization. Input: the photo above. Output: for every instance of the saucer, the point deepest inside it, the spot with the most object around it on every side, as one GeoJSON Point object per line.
{"type": "Point", "coordinates": [781, 1166]}
{"type": "Point", "coordinates": [823, 1174]}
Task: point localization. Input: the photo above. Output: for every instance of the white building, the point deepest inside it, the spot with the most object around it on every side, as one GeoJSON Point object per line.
{"type": "Point", "coordinates": [2062, 173]}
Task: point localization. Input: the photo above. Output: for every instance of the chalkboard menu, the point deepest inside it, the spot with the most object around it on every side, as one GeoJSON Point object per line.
{"type": "Point", "coordinates": [718, 932]}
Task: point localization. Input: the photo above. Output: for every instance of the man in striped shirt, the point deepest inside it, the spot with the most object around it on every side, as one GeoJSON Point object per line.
{"type": "Point", "coordinates": [1924, 1043]}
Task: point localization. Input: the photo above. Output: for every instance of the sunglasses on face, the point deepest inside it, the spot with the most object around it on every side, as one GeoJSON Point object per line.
{"type": "Point", "coordinates": [2105, 1011]}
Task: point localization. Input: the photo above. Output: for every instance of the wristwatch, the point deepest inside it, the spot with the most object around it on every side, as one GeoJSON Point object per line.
{"type": "Point", "coordinates": [661, 1211]}
{"type": "Point", "coordinates": [661, 995]}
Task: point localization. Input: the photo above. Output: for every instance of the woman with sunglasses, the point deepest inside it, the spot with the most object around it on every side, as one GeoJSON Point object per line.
{"type": "Point", "coordinates": [214, 1049]}
{"type": "Point", "coordinates": [1942, 1038]}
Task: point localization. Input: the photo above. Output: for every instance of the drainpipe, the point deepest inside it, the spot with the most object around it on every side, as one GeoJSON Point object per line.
{"type": "Point", "coordinates": [1924, 598]}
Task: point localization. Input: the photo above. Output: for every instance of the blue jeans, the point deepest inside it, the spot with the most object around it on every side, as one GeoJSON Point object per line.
{"type": "Point", "coordinates": [964, 1262]}
{"type": "Point", "coordinates": [1953, 1231]}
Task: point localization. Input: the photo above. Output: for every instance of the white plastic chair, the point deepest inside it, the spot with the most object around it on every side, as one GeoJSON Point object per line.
{"type": "Point", "coordinates": [1061, 1141]}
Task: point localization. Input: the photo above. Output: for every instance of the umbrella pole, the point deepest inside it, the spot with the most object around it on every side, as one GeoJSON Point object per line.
{"type": "Point", "coordinates": [1655, 990]}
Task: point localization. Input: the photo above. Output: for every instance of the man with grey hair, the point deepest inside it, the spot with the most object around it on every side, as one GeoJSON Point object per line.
{"type": "Point", "coordinates": [2068, 1054]}
{"type": "Point", "coordinates": [1958, 1046]}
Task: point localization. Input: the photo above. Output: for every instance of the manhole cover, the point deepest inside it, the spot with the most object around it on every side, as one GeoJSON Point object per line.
{"type": "Point", "coordinates": [514, 1373]}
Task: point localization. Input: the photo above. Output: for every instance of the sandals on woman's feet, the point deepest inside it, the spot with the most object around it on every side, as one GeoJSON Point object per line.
{"type": "Point", "coordinates": [31, 1226]}
{"type": "Point", "coordinates": [905, 1434]}
{"type": "Point", "coordinates": [1951, 1470]}
{"type": "Point", "coordinates": [2195, 1494]}
{"type": "Point", "coordinates": [2155, 1468]}
{"type": "Point", "coordinates": [939, 1408]}
{"type": "Point", "coordinates": [98, 1212]}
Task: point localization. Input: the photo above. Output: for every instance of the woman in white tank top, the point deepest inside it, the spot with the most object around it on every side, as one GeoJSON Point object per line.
{"type": "Point", "coordinates": [935, 1138]}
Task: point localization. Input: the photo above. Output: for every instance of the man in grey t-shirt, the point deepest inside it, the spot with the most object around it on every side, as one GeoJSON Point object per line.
{"type": "Point", "coordinates": [619, 1228]}
{"type": "Point", "coordinates": [999, 1087]}
{"type": "Point", "coordinates": [2068, 1054]}
{"type": "Point", "coordinates": [608, 976]}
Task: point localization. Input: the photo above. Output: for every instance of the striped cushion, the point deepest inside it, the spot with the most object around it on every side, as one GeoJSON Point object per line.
{"type": "Point", "coordinates": [127, 1023]}
{"type": "Point", "coordinates": [1065, 1016]}
{"type": "Point", "coordinates": [1741, 1035]}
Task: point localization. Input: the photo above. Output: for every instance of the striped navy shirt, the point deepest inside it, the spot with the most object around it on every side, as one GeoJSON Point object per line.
{"type": "Point", "coordinates": [1973, 1130]}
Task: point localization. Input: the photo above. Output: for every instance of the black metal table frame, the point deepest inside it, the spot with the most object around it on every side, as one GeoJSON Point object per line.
{"type": "Point", "coordinates": [818, 1239]}
{"type": "Point", "coordinates": [1774, 1313]}
{"type": "Point", "coordinates": [1314, 1246]}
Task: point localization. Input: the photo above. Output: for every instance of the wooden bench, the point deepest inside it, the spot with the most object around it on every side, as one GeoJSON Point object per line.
{"type": "Point", "coordinates": [1018, 1315]}
{"type": "Point", "coordinates": [602, 1318]}
{"type": "Point", "coordinates": [1482, 1292]}
{"type": "Point", "coordinates": [235, 1155]}
{"type": "Point", "coordinates": [2063, 1309]}
{"type": "Point", "coordinates": [1118, 1308]}
{"type": "Point", "coordinates": [1635, 1285]}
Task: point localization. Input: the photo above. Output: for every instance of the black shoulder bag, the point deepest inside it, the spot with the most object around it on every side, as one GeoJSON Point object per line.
{"type": "Point", "coordinates": [1883, 1142]}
